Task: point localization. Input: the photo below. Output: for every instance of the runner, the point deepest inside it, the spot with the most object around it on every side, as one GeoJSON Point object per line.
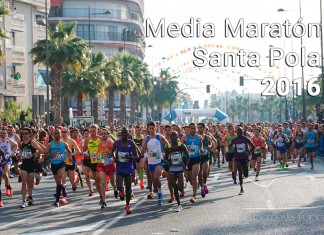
{"type": "Point", "coordinates": [125, 154]}
{"type": "Point", "coordinates": [259, 144]}
{"type": "Point", "coordinates": [8, 146]}
{"type": "Point", "coordinates": [13, 136]}
{"type": "Point", "coordinates": [70, 162]}
{"type": "Point", "coordinates": [138, 139]}
{"type": "Point", "coordinates": [86, 164]}
{"type": "Point", "coordinates": [204, 159]}
{"type": "Point", "coordinates": [57, 152]}
{"type": "Point", "coordinates": [194, 144]}
{"type": "Point", "coordinates": [179, 156]}
{"type": "Point", "coordinates": [241, 155]}
{"type": "Point", "coordinates": [3, 162]}
{"type": "Point", "coordinates": [299, 137]}
{"type": "Point", "coordinates": [272, 146]}
{"type": "Point", "coordinates": [92, 146]}
{"type": "Point", "coordinates": [153, 145]}
{"type": "Point", "coordinates": [27, 153]}
{"type": "Point", "coordinates": [311, 141]}
{"type": "Point", "coordinates": [107, 166]}
{"type": "Point", "coordinates": [280, 141]}
{"type": "Point", "coordinates": [230, 152]}
{"type": "Point", "coordinates": [167, 163]}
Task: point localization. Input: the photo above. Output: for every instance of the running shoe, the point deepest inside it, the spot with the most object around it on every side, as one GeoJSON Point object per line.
{"type": "Point", "coordinates": [160, 198]}
{"type": "Point", "coordinates": [127, 209]}
{"type": "Point", "coordinates": [1, 204]}
{"type": "Point", "coordinates": [274, 161]}
{"type": "Point", "coordinates": [171, 199]}
{"type": "Point", "coordinates": [91, 193]}
{"type": "Point", "coordinates": [206, 189]}
{"type": "Point", "coordinates": [10, 190]}
{"type": "Point", "coordinates": [23, 204]}
{"type": "Point", "coordinates": [121, 195]}
{"type": "Point", "coordinates": [202, 192]}
{"type": "Point", "coordinates": [64, 192]}
{"type": "Point", "coordinates": [30, 201]}
{"type": "Point", "coordinates": [241, 192]}
{"type": "Point", "coordinates": [142, 184]}
{"type": "Point", "coordinates": [235, 180]}
{"type": "Point", "coordinates": [56, 204]}
{"type": "Point", "coordinates": [74, 187]}
{"type": "Point", "coordinates": [193, 199]}
{"type": "Point", "coordinates": [149, 195]}
{"type": "Point", "coordinates": [283, 168]}
{"type": "Point", "coordinates": [280, 165]}
{"type": "Point", "coordinates": [103, 205]}
{"type": "Point", "coordinates": [63, 201]}
{"type": "Point", "coordinates": [218, 164]}
{"type": "Point", "coordinates": [298, 165]}
{"type": "Point", "coordinates": [147, 187]}
{"type": "Point", "coordinates": [116, 194]}
{"type": "Point", "coordinates": [179, 208]}
{"type": "Point", "coordinates": [7, 190]}
{"type": "Point", "coordinates": [182, 193]}
{"type": "Point", "coordinates": [256, 178]}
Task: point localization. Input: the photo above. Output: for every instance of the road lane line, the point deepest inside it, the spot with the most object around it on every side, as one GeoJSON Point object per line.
{"type": "Point", "coordinates": [284, 208]}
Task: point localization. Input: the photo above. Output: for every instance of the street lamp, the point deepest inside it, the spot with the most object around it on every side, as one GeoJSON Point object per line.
{"type": "Point", "coordinates": [46, 62]}
{"type": "Point", "coordinates": [89, 20]}
{"type": "Point", "coordinates": [302, 68]}
{"type": "Point", "coordinates": [153, 108]}
{"type": "Point", "coordinates": [89, 34]}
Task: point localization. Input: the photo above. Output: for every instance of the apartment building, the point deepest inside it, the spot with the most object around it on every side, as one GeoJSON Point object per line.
{"type": "Point", "coordinates": [112, 27]}
{"type": "Point", "coordinates": [20, 80]}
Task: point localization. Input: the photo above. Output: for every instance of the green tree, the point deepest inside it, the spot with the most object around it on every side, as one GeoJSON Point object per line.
{"type": "Point", "coordinates": [12, 112]}
{"type": "Point", "coordinates": [65, 51]}
{"type": "Point", "coordinates": [3, 11]}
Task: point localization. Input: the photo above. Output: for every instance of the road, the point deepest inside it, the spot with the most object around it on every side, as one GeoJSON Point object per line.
{"type": "Point", "coordinates": [282, 202]}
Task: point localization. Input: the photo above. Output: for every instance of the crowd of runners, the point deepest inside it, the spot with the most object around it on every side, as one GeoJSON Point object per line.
{"type": "Point", "coordinates": [121, 156]}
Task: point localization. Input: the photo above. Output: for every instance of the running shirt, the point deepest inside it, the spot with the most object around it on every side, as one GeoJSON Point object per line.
{"type": "Point", "coordinates": [138, 142]}
{"type": "Point", "coordinates": [194, 145]}
{"type": "Point", "coordinates": [70, 161]}
{"type": "Point", "coordinates": [176, 157]}
{"type": "Point", "coordinates": [257, 143]}
{"type": "Point", "coordinates": [154, 149]}
{"type": "Point", "coordinates": [60, 153]}
{"type": "Point", "coordinates": [241, 151]}
{"type": "Point", "coordinates": [125, 159]}
{"type": "Point", "coordinates": [6, 148]}
{"type": "Point", "coordinates": [299, 137]}
{"type": "Point", "coordinates": [106, 160]}
{"type": "Point", "coordinates": [280, 142]}
{"type": "Point", "coordinates": [205, 146]}
{"type": "Point", "coordinates": [229, 140]}
{"type": "Point", "coordinates": [93, 146]}
{"type": "Point", "coordinates": [271, 135]}
{"type": "Point", "coordinates": [286, 132]}
{"type": "Point", "coordinates": [310, 139]}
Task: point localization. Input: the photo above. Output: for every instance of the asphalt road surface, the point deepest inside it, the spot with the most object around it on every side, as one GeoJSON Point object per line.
{"type": "Point", "coordinates": [282, 202]}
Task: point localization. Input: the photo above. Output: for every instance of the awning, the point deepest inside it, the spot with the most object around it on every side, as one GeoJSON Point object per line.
{"type": "Point", "coordinates": [41, 77]}
{"type": "Point", "coordinates": [56, 3]}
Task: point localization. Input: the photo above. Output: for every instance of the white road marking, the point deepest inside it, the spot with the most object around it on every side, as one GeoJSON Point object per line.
{"type": "Point", "coordinates": [284, 208]}
{"type": "Point", "coordinates": [216, 177]}
{"type": "Point", "coordinates": [265, 185]}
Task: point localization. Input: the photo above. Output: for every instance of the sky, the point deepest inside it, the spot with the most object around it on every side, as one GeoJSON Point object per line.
{"type": "Point", "coordinates": [178, 52]}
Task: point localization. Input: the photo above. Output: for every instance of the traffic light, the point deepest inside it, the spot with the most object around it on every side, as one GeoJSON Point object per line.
{"type": "Point", "coordinates": [241, 81]}
{"type": "Point", "coordinates": [208, 89]}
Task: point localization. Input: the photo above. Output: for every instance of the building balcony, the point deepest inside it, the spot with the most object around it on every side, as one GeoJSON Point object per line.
{"type": "Point", "coordinates": [18, 55]}
{"type": "Point", "coordinates": [39, 4]}
{"type": "Point", "coordinates": [134, 20]}
{"type": "Point", "coordinates": [12, 87]}
{"type": "Point", "coordinates": [39, 32]}
{"type": "Point", "coordinates": [17, 22]}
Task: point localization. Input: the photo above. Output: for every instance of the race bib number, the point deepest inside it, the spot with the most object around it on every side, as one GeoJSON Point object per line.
{"type": "Point", "coordinates": [107, 160]}
{"type": "Point", "coordinates": [26, 153]}
{"type": "Point", "coordinates": [193, 149]}
{"type": "Point", "coordinates": [241, 148]}
{"type": "Point", "coordinates": [123, 156]}
{"type": "Point", "coordinates": [58, 156]}
{"type": "Point", "coordinates": [94, 158]}
{"type": "Point", "coordinates": [155, 155]}
{"type": "Point", "coordinates": [299, 141]}
{"type": "Point", "coordinates": [310, 141]}
{"type": "Point", "coordinates": [257, 150]}
{"type": "Point", "coordinates": [68, 161]}
{"type": "Point", "coordinates": [280, 142]}
{"type": "Point", "coordinates": [176, 158]}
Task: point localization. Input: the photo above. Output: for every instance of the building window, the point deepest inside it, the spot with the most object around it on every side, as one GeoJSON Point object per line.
{"type": "Point", "coordinates": [83, 31]}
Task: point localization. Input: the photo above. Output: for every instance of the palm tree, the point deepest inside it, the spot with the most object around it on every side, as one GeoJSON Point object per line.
{"type": "Point", "coordinates": [239, 102]}
{"type": "Point", "coordinates": [3, 11]}
{"type": "Point", "coordinates": [254, 107]}
{"type": "Point", "coordinates": [66, 51]}
{"type": "Point", "coordinates": [232, 110]}
{"type": "Point", "coordinates": [90, 82]}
